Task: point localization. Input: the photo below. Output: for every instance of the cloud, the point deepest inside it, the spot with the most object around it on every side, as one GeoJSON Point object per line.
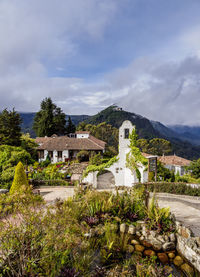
{"type": "Point", "coordinates": [88, 54]}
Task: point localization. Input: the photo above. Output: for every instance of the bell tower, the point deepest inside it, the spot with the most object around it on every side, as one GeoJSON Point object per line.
{"type": "Point", "coordinates": [124, 131]}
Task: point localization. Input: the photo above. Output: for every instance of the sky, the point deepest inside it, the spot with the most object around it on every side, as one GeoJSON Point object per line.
{"type": "Point", "coordinates": [143, 55]}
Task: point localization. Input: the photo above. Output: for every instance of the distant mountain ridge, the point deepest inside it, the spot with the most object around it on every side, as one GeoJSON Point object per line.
{"type": "Point", "coordinates": [183, 143]}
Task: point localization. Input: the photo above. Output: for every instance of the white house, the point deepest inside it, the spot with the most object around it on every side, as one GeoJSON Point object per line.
{"type": "Point", "coordinates": [64, 148]}
{"type": "Point", "coordinates": [175, 163]}
{"type": "Point", "coordinates": [122, 174]}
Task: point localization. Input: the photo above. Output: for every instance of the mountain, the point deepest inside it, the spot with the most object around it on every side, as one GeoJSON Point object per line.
{"type": "Point", "coordinates": [147, 129]}
{"type": "Point", "coordinates": [190, 133]}
{"type": "Point", "coordinates": [185, 140]}
{"type": "Point", "coordinates": [27, 121]}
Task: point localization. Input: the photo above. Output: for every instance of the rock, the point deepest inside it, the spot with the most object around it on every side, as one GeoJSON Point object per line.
{"type": "Point", "coordinates": [134, 241]}
{"type": "Point", "coordinates": [149, 253]}
{"type": "Point", "coordinates": [185, 232]}
{"type": "Point", "coordinates": [153, 234]}
{"type": "Point", "coordinates": [138, 234]}
{"type": "Point", "coordinates": [131, 230]}
{"type": "Point", "coordinates": [4, 191]}
{"type": "Point", "coordinates": [166, 238]}
{"type": "Point", "coordinates": [171, 255]}
{"type": "Point", "coordinates": [160, 238]}
{"type": "Point", "coordinates": [172, 237]}
{"type": "Point", "coordinates": [130, 249]}
{"type": "Point", "coordinates": [187, 269]}
{"type": "Point", "coordinates": [141, 238]}
{"type": "Point", "coordinates": [139, 224]}
{"type": "Point", "coordinates": [168, 246]}
{"type": "Point", "coordinates": [139, 248]}
{"type": "Point", "coordinates": [178, 261]}
{"type": "Point", "coordinates": [146, 244]}
{"type": "Point", "coordinates": [163, 258]}
{"type": "Point", "coordinates": [157, 245]}
{"type": "Point", "coordinates": [123, 228]}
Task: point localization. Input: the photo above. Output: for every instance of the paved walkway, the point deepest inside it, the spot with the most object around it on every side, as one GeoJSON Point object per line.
{"type": "Point", "coordinates": [185, 208]}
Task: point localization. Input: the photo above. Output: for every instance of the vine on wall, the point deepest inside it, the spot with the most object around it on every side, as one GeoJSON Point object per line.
{"type": "Point", "coordinates": [100, 168]}
{"type": "Point", "coordinates": [134, 158]}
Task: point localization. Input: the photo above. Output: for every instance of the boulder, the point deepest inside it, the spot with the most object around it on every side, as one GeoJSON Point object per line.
{"type": "Point", "coordinates": [139, 248]}
{"type": "Point", "coordinates": [178, 261]}
{"type": "Point", "coordinates": [168, 246]}
{"type": "Point", "coordinates": [163, 258]}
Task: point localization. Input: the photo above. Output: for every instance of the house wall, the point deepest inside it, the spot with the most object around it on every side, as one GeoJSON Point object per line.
{"type": "Point", "coordinates": [176, 169]}
{"type": "Point", "coordinates": [82, 136]}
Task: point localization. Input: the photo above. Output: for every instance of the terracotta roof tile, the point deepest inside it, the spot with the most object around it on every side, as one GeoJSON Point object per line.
{"type": "Point", "coordinates": [65, 143]}
{"type": "Point", "coordinates": [174, 160]}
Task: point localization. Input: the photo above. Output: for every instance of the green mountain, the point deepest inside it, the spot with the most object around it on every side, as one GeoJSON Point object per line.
{"type": "Point", "coordinates": [147, 129]}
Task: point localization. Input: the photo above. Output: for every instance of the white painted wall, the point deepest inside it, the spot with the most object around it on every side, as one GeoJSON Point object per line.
{"type": "Point", "coordinates": [82, 136]}
{"type": "Point", "coordinates": [123, 175]}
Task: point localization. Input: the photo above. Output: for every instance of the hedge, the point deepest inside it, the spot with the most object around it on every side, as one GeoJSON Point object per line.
{"type": "Point", "coordinates": [174, 188]}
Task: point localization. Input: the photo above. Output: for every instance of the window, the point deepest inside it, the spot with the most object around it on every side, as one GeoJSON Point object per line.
{"type": "Point", "coordinates": [59, 154]}
{"type": "Point", "coordinates": [41, 154]}
{"type": "Point", "coordinates": [126, 133]}
{"type": "Point", "coordinates": [50, 154]}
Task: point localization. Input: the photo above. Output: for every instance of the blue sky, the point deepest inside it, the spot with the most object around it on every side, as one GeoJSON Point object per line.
{"type": "Point", "coordinates": [143, 55]}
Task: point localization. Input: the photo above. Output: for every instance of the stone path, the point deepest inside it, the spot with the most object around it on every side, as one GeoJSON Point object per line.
{"type": "Point", "coordinates": [185, 208]}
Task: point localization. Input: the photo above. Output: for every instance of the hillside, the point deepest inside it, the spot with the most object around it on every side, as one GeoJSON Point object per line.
{"type": "Point", "coordinates": [27, 121]}
{"type": "Point", "coordinates": [147, 129]}
{"type": "Point", "coordinates": [179, 136]}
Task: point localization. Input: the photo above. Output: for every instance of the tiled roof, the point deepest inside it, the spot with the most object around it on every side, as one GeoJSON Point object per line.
{"type": "Point", "coordinates": [174, 160]}
{"type": "Point", "coordinates": [66, 143]}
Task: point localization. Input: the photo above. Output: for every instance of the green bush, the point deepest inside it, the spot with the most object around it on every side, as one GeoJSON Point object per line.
{"type": "Point", "coordinates": [20, 182]}
{"type": "Point", "coordinates": [175, 188]}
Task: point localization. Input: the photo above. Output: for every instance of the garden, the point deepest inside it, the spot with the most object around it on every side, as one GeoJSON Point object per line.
{"type": "Point", "coordinates": [92, 234]}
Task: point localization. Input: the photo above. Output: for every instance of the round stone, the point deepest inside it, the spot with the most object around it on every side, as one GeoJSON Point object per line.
{"type": "Point", "coordinates": [163, 258]}
{"type": "Point", "coordinates": [139, 248]}
{"type": "Point", "coordinates": [134, 241]}
{"type": "Point", "coordinates": [171, 255]}
{"type": "Point", "coordinates": [149, 253]}
{"type": "Point", "coordinates": [178, 261]}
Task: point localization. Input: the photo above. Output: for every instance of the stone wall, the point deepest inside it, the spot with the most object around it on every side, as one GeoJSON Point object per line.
{"type": "Point", "coordinates": [188, 245]}
{"type": "Point", "coordinates": [171, 248]}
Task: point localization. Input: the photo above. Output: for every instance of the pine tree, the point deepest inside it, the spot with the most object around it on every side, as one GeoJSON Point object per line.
{"type": "Point", "coordinates": [20, 182]}
{"type": "Point", "coordinates": [71, 128]}
{"type": "Point", "coordinates": [49, 120]}
{"type": "Point", "coordinates": [10, 129]}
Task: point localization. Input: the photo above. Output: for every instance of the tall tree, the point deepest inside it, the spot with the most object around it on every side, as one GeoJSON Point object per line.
{"type": "Point", "coordinates": [49, 120]}
{"type": "Point", "coordinates": [155, 146]}
{"type": "Point", "coordinates": [10, 129]}
{"type": "Point", "coordinates": [71, 128]}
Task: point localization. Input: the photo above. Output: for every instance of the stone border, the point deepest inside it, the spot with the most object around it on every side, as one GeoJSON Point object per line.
{"type": "Point", "coordinates": [188, 245]}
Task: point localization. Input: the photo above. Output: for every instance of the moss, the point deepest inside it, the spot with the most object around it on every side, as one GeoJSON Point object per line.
{"type": "Point", "coordinates": [20, 181]}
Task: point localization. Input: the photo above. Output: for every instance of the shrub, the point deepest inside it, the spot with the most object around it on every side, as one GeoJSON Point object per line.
{"type": "Point", "coordinates": [20, 181]}
{"type": "Point", "coordinates": [82, 156]}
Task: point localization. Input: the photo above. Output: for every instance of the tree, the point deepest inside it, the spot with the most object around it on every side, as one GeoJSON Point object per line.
{"type": "Point", "coordinates": [10, 130]}
{"type": "Point", "coordinates": [155, 146]}
{"type": "Point", "coordinates": [194, 168]}
{"type": "Point", "coordinates": [20, 182]}
{"type": "Point", "coordinates": [49, 120]}
{"type": "Point", "coordinates": [71, 128]}
{"type": "Point", "coordinates": [105, 132]}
